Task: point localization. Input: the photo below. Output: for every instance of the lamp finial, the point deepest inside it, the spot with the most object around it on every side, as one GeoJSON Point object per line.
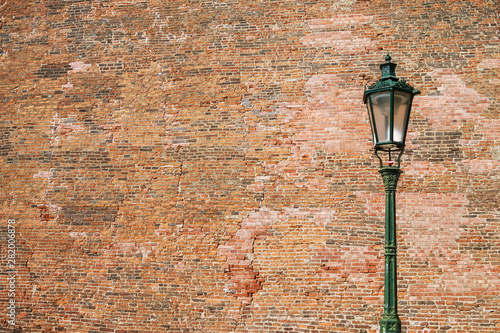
{"type": "Point", "coordinates": [388, 69]}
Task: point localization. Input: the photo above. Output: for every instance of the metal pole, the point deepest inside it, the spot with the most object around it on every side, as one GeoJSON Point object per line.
{"type": "Point", "coordinates": [390, 322]}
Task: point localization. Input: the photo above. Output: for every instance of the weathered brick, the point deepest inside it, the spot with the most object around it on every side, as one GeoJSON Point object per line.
{"type": "Point", "coordinates": [207, 166]}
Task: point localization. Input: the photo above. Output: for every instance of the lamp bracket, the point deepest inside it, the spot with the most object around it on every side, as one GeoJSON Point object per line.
{"type": "Point", "coordinates": [390, 161]}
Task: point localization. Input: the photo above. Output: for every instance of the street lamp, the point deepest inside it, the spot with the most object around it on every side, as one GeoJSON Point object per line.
{"type": "Point", "coordinates": [389, 104]}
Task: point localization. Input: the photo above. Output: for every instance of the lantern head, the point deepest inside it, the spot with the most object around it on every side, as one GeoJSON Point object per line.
{"type": "Point", "coordinates": [389, 104]}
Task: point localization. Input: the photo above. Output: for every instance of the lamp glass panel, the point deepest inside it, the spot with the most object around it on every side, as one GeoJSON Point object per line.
{"type": "Point", "coordinates": [401, 110]}
{"type": "Point", "coordinates": [371, 120]}
{"type": "Point", "coordinates": [381, 103]}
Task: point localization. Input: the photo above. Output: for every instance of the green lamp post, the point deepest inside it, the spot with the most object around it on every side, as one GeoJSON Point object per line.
{"type": "Point", "coordinates": [389, 104]}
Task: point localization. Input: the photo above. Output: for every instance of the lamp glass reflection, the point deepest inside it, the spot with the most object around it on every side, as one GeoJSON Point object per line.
{"type": "Point", "coordinates": [381, 105]}
{"type": "Point", "coordinates": [401, 110]}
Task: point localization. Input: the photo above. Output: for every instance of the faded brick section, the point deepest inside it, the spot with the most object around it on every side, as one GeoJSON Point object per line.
{"type": "Point", "coordinates": [206, 166]}
{"type": "Point", "coordinates": [244, 281]}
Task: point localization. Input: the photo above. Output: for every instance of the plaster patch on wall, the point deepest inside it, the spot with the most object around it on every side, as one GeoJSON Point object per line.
{"type": "Point", "coordinates": [495, 152]}
{"type": "Point", "coordinates": [434, 229]}
{"type": "Point", "coordinates": [79, 66]}
{"type": "Point", "coordinates": [344, 42]}
{"type": "Point", "coordinates": [67, 86]}
{"type": "Point", "coordinates": [419, 168]}
{"type": "Point", "coordinates": [489, 64]}
{"type": "Point", "coordinates": [481, 166]}
{"type": "Point", "coordinates": [244, 279]}
{"type": "Point", "coordinates": [485, 133]}
{"type": "Point", "coordinates": [330, 121]}
{"type": "Point", "coordinates": [352, 263]}
{"type": "Point", "coordinates": [340, 37]}
{"type": "Point", "coordinates": [43, 175]}
{"type": "Point", "coordinates": [339, 21]}
{"type": "Point", "coordinates": [488, 129]}
{"type": "Point", "coordinates": [334, 115]}
{"type": "Point", "coordinates": [68, 127]}
{"type": "Point", "coordinates": [454, 99]}
{"type": "Point", "coordinates": [75, 234]}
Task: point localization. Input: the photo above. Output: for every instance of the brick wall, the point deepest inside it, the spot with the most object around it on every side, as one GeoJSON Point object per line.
{"type": "Point", "coordinates": [206, 166]}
